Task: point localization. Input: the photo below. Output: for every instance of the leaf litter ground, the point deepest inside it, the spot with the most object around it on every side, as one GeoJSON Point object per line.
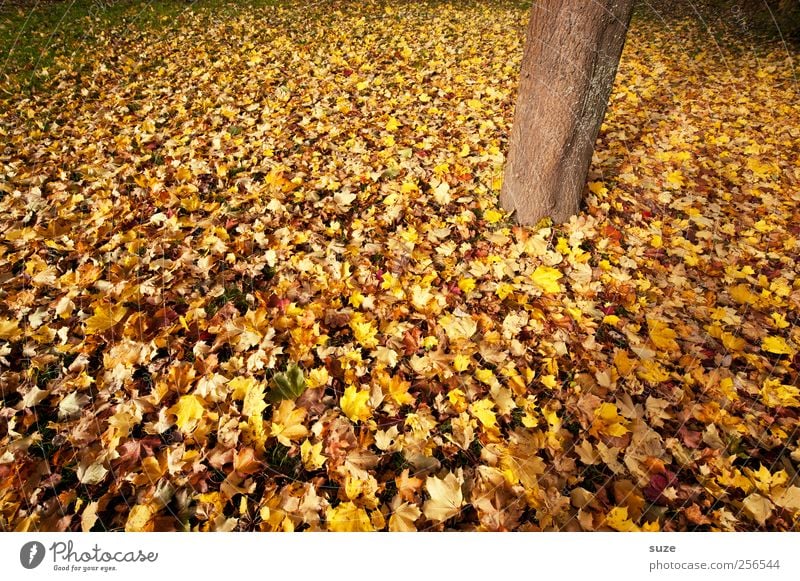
{"type": "Point", "coordinates": [254, 277]}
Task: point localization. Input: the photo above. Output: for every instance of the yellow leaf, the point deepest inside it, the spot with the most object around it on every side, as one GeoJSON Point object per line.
{"type": "Point", "coordinates": [662, 336]}
{"type": "Point", "coordinates": [492, 216]}
{"type": "Point", "coordinates": [482, 410]}
{"type": "Point", "coordinates": [254, 400]}
{"type": "Point", "coordinates": [597, 188]}
{"type": "Point", "coordinates": [503, 290]}
{"type": "Point", "coordinates": [458, 328]}
{"type": "Point", "coordinates": [777, 345]}
{"type": "Point", "coordinates": [485, 376]}
{"type": "Point", "coordinates": [549, 381]}
{"type": "Point", "coordinates": [741, 294]}
{"type": "Point", "coordinates": [354, 404]}
{"type": "Point", "coordinates": [458, 399]}
{"type": "Point", "coordinates": [466, 284]}
{"type": "Point", "coordinates": [140, 518]}
{"type": "Point", "coordinates": [460, 362]}
{"type": "Point", "coordinates": [545, 278]}
{"type": "Point", "coordinates": [779, 320]}
{"type": "Point", "coordinates": [675, 179]}
{"type": "Point", "coordinates": [311, 454]}
{"type": "Point", "coordinates": [104, 317]}
{"type": "Point", "coordinates": [348, 518]}
{"type": "Point", "coordinates": [608, 421]}
{"type": "Point", "coordinates": [651, 371]}
{"type": "Point", "coordinates": [403, 518]}
{"type": "Point", "coordinates": [287, 423]}
{"type": "Point", "coordinates": [189, 410]}
{"type": "Point", "coordinates": [617, 519]}
{"type": "Point", "coordinates": [775, 394]}
{"type": "Point", "coordinates": [392, 124]}
{"type": "Point", "coordinates": [733, 343]}
{"type": "Point", "coordinates": [364, 332]}
{"type": "Point", "coordinates": [446, 498]}
{"type": "Point", "coordinates": [9, 329]}
{"type": "Point", "coordinates": [758, 507]}
{"type": "Point", "coordinates": [789, 499]}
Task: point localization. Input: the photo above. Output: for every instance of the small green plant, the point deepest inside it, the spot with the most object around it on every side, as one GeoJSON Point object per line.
{"type": "Point", "coordinates": [288, 385]}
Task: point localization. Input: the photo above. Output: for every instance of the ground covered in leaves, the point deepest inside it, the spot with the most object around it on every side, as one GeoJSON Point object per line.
{"type": "Point", "coordinates": [254, 277]}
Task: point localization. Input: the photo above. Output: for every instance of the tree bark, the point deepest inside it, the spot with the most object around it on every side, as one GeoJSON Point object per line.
{"type": "Point", "coordinates": [571, 55]}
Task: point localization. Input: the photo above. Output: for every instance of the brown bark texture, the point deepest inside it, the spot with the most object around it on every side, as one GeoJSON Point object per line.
{"type": "Point", "coordinates": [571, 55]}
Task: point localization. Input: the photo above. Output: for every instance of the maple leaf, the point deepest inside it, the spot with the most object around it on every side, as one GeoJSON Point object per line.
{"type": "Point", "coordinates": [9, 329]}
{"type": "Point", "coordinates": [354, 404]}
{"type": "Point", "coordinates": [311, 454]}
{"type": "Point", "coordinates": [617, 518]}
{"type": "Point", "coordinates": [287, 423]}
{"type": "Point", "coordinates": [446, 498]}
{"type": "Point", "coordinates": [458, 327]}
{"type": "Point", "coordinates": [189, 410]}
{"type": "Point", "coordinates": [758, 507]}
{"type": "Point", "coordinates": [104, 317]}
{"type": "Point", "coordinates": [777, 345]}
{"type": "Point", "coordinates": [546, 277]}
{"type": "Point", "coordinates": [403, 518]}
{"type": "Point", "coordinates": [140, 518]}
{"type": "Point", "coordinates": [348, 518]}
{"type": "Point", "coordinates": [661, 335]}
{"type": "Point", "coordinates": [288, 385]}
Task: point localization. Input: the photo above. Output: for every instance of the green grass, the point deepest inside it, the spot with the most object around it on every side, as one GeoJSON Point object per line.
{"type": "Point", "coordinates": [35, 34]}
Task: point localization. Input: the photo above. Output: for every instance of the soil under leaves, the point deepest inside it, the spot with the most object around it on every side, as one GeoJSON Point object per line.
{"type": "Point", "coordinates": [184, 216]}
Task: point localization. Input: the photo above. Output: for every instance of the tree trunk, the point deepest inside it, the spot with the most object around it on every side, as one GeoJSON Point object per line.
{"type": "Point", "coordinates": [571, 55]}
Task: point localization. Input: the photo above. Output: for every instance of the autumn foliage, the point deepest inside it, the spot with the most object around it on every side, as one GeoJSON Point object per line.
{"type": "Point", "coordinates": [254, 277]}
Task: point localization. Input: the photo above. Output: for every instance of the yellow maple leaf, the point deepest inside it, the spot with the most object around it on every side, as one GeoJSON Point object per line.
{"type": "Point", "coordinates": [140, 518]}
{"type": "Point", "coordinates": [348, 518]}
{"type": "Point", "coordinates": [312, 456]}
{"type": "Point", "coordinates": [492, 216]}
{"type": "Point", "coordinates": [617, 519]}
{"type": "Point", "coordinates": [661, 335]}
{"type": "Point", "coordinates": [485, 376]}
{"type": "Point", "coordinates": [403, 518]}
{"type": "Point", "coordinates": [458, 328]}
{"type": "Point", "coordinates": [598, 188]}
{"type": "Point", "coordinates": [758, 507]}
{"type": "Point", "coordinates": [104, 317]}
{"type": "Point", "coordinates": [446, 497]}
{"type": "Point", "coordinates": [651, 371]}
{"type": "Point", "coordinates": [482, 409]}
{"type": "Point", "coordinates": [398, 390]}
{"type": "Point", "coordinates": [9, 329]}
{"type": "Point", "coordinates": [545, 278]}
{"type": "Point", "coordinates": [254, 400]}
{"type": "Point", "coordinates": [364, 332]}
{"type": "Point", "coordinates": [287, 423]}
{"type": "Point", "coordinates": [392, 125]}
{"type": "Point", "coordinates": [466, 284]}
{"type": "Point", "coordinates": [779, 320]}
{"type": "Point", "coordinates": [741, 293]}
{"type": "Point", "coordinates": [608, 421]}
{"type": "Point", "coordinates": [777, 345]}
{"type": "Point", "coordinates": [189, 410]}
{"type": "Point", "coordinates": [460, 362]}
{"type": "Point", "coordinates": [775, 394]}
{"type": "Point", "coordinates": [675, 179]}
{"type": "Point", "coordinates": [354, 404]}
